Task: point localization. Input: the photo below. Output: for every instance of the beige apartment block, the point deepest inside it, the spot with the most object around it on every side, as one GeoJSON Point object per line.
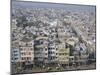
{"type": "Point", "coordinates": [26, 50]}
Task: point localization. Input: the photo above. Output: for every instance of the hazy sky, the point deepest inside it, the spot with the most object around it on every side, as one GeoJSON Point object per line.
{"type": "Point", "coordinates": [26, 4]}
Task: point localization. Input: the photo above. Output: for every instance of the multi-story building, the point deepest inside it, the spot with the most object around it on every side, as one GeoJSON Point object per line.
{"type": "Point", "coordinates": [52, 46]}
{"type": "Point", "coordinates": [63, 54]}
{"type": "Point", "coordinates": [26, 47]}
{"type": "Point", "coordinates": [15, 52]}
{"type": "Point", "coordinates": [14, 22]}
{"type": "Point", "coordinates": [41, 50]}
{"type": "Point", "coordinates": [52, 53]}
{"type": "Point", "coordinates": [15, 55]}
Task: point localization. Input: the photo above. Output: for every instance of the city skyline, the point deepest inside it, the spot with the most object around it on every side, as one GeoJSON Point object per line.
{"type": "Point", "coordinates": [69, 7]}
{"type": "Point", "coordinates": [51, 37]}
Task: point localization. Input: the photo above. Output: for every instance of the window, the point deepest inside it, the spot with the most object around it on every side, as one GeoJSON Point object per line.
{"type": "Point", "coordinates": [72, 58]}
{"type": "Point", "coordinates": [49, 48]}
{"type": "Point", "coordinates": [59, 53]}
{"type": "Point", "coordinates": [67, 57]}
{"type": "Point", "coordinates": [29, 53]}
{"type": "Point", "coordinates": [45, 58]}
{"type": "Point", "coordinates": [26, 44]}
{"type": "Point", "coordinates": [16, 58]}
{"type": "Point", "coordinates": [22, 53]}
{"type": "Point", "coordinates": [51, 52]}
{"type": "Point", "coordinates": [15, 54]}
{"type": "Point", "coordinates": [21, 49]}
{"type": "Point", "coordinates": [27, 58]}
{"type": "Point", "coordinates": [45, 49]}
{"type": "Point", "coordinates": [22, 58]}
{"type": "Point", "coordinates": [31, 48]}
{"type": "Point", "coordinates": [52, 58]}
{"type": "Point", "coordinates": [41, 42]}
{"type": "Point", "coordinates": [15, 51]}
{"type": "Point", "coordinates": [30, 44]}
{"type": "Point", "coordinates": [45, 53]}
{"type": "Point", "coordinates": [56, 48]}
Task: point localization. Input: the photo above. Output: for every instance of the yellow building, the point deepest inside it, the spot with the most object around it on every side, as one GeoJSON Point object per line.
{"type": "Point", "coordinates": [63, 54]}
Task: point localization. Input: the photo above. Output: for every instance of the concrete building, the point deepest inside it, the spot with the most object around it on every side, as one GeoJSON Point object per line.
{"type": "Point", "coordinates": [14, 22]}
{"type": "Point", "coordinates": [15, 55]}
{"type": "Point", "coordinates": [52, 53]}
{"type": "Point", "coordinates": [52, 46]}
{"type": "Point", "coordinates": [63, 54]}
{"type": "Point", "coordinates": [15, 52]}
{"type": "Point", "coordinates": [26, 47]}
{"type": "Point", "coordinates": [41, 50]}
